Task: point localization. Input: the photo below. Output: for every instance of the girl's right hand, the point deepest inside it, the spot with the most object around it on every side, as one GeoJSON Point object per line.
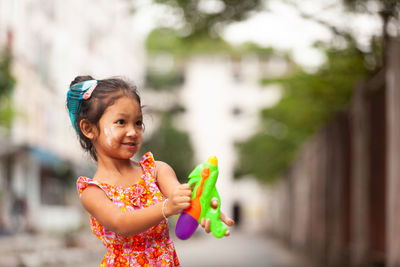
{"type": "Point", "coordinates": [179, 200]}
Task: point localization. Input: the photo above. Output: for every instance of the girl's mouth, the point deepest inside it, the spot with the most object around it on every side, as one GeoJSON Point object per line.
{"type": "Point", "coordinates": [130, 145]}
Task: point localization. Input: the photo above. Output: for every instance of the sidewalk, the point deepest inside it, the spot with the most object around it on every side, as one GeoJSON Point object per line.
{"type": "Point", "coordinates": [240, 249]}
{"type": "Point", "coordinates": [24, 250]}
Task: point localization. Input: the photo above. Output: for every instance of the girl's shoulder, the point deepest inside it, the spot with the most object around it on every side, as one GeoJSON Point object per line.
{"type": "Point", "coordinates": [83, 182]}
{"type": "Point", "coordinates": [161, 165]}
{"type": "Point", "coordinates": [154, 166]}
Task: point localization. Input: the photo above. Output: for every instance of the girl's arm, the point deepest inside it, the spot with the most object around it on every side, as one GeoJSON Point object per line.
{"type": "Point", "coordinates": [166, 178]}
{"type": "Point", "coordinates": [170, 187]}
{"type": "Point", "coordinates": [128, 223]}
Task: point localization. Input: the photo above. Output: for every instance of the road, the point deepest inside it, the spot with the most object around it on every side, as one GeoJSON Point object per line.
{"type": "Point", "coordinates": [239, 249]}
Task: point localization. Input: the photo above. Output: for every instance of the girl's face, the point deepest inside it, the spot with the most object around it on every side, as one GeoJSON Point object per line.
{"type": "Point", "coordinates": [120, 135]}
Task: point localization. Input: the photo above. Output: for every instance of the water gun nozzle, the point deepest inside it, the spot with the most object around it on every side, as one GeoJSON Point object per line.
{"type": "Point", "coordinates": [212, 160]}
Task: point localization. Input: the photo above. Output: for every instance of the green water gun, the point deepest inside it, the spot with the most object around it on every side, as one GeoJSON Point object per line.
{"type": "Point", "coordinates": [205, 202]}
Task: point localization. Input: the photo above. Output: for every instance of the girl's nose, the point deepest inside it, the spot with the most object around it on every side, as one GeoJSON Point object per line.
{"type": "Point", "coordinates": [131, 131]}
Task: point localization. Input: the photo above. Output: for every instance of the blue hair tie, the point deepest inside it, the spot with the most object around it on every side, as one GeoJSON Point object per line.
{"type": "Point", "coordinates": [76, 94]}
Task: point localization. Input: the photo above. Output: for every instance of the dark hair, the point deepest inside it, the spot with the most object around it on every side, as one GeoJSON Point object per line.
{"type": "Point", "coordinates": [106, 93]}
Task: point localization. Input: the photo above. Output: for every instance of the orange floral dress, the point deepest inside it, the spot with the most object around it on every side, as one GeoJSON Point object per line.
{"type": "Point", "coordinates": [153, 247]}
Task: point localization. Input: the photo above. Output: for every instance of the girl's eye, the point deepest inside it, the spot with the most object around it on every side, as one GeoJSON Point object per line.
{"type": "Point", "coordinates": [139, 123]}
{"type": "Point", "coordinates": [121, 122]}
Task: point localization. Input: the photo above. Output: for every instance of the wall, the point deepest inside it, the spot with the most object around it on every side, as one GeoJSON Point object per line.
{"type": "Point", "coordinates": [339, 201]}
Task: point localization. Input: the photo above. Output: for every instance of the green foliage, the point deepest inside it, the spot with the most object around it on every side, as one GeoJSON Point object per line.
{"type": "Point", "coordinates": [250, 47]}
{"type": "Point", "coordinates": [170, 41]}
{"type": "Point", "coordinates": [7, 83]}
{"type": "Point", "coordinates": [6, 112]}
{"type": "Point", "coordinates": [164, 40]}
{"type": "Point", "coordinates": [205, 21]}
{"type": "Point", "coordinates": [386, 8]}
{"type": "Point", "coordinates": [163, 81]}
{"type": "Point", "coordinates": [172, 146]}
{"type": "Point", "coordinates": [309, 101]}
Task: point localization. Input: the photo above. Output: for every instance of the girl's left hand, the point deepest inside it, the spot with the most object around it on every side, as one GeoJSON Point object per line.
{"type": "Point", "coordinates": [205, 223]}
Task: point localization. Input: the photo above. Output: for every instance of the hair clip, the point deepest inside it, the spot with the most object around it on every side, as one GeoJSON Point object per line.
{"type": "Point", "coordinates": [77, 93]}
{"type": "Point", "coordinates": [89, 92]}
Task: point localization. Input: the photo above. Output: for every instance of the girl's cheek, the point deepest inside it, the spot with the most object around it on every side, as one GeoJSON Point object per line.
{"type": "Point", "coordinates": [110, 136]}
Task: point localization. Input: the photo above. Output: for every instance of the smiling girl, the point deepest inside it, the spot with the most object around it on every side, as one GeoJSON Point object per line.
{"type": "Point", "coordinates": [128, 201]}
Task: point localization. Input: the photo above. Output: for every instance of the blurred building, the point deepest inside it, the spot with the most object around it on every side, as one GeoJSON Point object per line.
{"type": "Point", "coordinates": [223, 98]}
{"type": "Point", "coordinates": [52, 42]}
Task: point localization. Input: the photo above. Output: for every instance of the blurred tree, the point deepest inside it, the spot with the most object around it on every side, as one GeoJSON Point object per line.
{"type": "Point", "coordinates": [172, 146]}
{"type": "Point", "coordinates": [207, 17]}
{"type": "Point", "coordinates": [163, 41]}
{"type": "Point", "coordinates": [309, 100]}
{"type": "Point", "coordinates": [166, 40]}
{"type": "Point", "coordinates": [388, 10]}
{"type": "Point", "coordinates": [7, 83]}
{"type": "Point", "coordinates": [171, 41]}
{"type": "Point", "coordinates": [168, 143]}
{"type": "Point", "coordinates": [164, 81]}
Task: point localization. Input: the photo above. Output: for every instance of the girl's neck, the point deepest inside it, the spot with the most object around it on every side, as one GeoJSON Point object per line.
{"type": "Point", "coordinates": [111, 170]}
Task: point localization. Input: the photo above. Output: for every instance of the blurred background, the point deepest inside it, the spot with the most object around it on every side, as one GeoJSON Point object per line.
{"type": "Point", "coordinates": [299, 100]}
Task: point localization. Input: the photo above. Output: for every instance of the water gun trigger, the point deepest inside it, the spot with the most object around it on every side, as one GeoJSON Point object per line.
{"type": "Point", "coordinates": [214, 203]}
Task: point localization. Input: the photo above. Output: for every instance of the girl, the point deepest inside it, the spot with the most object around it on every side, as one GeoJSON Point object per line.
{"type": "Point", "coordinates": [128, 201]}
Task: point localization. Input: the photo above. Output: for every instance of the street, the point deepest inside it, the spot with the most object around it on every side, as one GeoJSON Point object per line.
{"type": "Point", "coordinates": [84, 250]}
{"type": "Point", "coordinates": [239, 249]}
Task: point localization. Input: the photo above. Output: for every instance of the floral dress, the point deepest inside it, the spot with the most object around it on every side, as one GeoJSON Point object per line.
{"type": "Point", "coordinates": [153, 247]}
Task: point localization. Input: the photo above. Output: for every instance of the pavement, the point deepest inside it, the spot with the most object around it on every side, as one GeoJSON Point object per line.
{"type": "Point", "coordinates": [34, 250]}
{"type": "Point", "coordinates": [240, 249]}
{"type": "Point", "coordinates": [84, 250]}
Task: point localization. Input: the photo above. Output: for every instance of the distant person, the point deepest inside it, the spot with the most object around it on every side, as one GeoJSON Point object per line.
{"type": "Point", "coordinates": [19, 213]}
{"type": "Point", "coordinates": [128, 201]}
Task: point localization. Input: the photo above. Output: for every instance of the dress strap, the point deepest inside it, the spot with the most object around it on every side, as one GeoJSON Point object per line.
{"type": "Point", "coordinates": [148, 163]}
{"type": "Point", "coordinates": [83, 182]}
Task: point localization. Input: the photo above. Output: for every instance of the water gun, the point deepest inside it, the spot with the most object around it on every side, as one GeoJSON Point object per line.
{"type": "Point", "coordinates": [205, 202]}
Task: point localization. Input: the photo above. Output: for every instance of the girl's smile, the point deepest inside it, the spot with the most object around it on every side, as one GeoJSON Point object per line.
{"type": "Point", "coordinates": [130, 145]}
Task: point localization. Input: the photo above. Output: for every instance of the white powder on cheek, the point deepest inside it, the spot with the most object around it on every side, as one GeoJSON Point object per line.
{"type": "Point", "coordinates": [112, 136]}
{"type": "Point", "coordinates": [107, 133]}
